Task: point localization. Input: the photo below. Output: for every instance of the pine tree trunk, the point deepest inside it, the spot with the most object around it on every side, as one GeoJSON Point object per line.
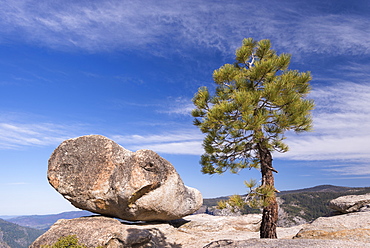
{"type": "Point", "coordinates": [270, 213]}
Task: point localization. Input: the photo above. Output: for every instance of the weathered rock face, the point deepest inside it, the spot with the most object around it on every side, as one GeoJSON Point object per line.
{"type": "Point", "coordinates": [284, 243]}
{"type": "Point", "coordinates": [111, 233]}
{"type": "Point", "coordinates": [288, 220]}
{"type": "Point", "coordinates": [210, 223]}
{"type": "Point", "coordinates": [351, 227]}
{"type": "Point", "coordinates": [96, 174]}
{"type": "Point", "coordinates": [102, 231]}
{"type": "Point", "coordinates": [192, 231]}
{"type": "Point", "coordinates": [351, 203]}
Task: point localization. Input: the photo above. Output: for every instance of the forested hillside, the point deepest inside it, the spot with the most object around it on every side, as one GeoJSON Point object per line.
{"type": "Point", "coordinates": [309, 205]}
{"type": "Point", "coordinates": [15, 236]}
{"type": "Point", "coordinates": [303, 205]}
{"type": "Point", "coordinates": [43, 222]}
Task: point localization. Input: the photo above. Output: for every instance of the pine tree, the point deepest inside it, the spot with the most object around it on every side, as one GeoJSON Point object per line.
{"type": "Point", "coordinates": [256, 100]}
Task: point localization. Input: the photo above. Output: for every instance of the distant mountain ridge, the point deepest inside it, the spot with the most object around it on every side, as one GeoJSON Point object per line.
{"type": "Point", "coordinates": [43, 222]}
{"type": "Point", "coordinates": [319, 188]}
{"type": "Point", "coordinates": [302, 206]}
{"type": "Point", "coordinates": [6, 217]}
{"type": "Point", "coordinates": [298, 206]}
{"type": "Point", "coordinates": [16, 236]}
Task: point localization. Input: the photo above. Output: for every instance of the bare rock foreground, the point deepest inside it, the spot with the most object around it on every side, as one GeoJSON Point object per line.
{"type": "Point", "coordinates": [286, 243]}
{"type": "Point", "coordinates": [351, 227]}
{"type": "Point", "coordinates": [193, 231]}
{"type": "Point", "coordinates": [96, 174]}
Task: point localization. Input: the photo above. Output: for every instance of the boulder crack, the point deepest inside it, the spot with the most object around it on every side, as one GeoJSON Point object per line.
{"type": "Point", "coordinates": [141, 192]}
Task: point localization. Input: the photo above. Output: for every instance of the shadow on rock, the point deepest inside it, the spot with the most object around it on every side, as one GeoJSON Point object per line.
{"type": "Point", "coordinates": [107, 232]}
{"type": "Point", "coordinates": [156, 238]}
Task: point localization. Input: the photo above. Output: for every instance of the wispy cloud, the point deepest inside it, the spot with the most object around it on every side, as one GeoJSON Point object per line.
{"type": "Point", "coordinates": [351, 170]}
{"type": "Point", "coordinates": [186, 141]}
{"type": "Point", "coordinates": [341, 130]}
{"type": "Point", "coordinates": [155, 26]}
{"type": "Point", "coordinates": [15, 135]}
{"type": "Point", "coordinates": [341, 123]}
{"type": "Point", "coordinates": [341, 127]}
{"type": "Point", "coordinates": [178, 106]}
{"type": "Point", "coordinates": [15, 183]}
{"type": "Point", "coordinates": [334, 34]}
{"type": "Point", "coordinates": [342, 116]}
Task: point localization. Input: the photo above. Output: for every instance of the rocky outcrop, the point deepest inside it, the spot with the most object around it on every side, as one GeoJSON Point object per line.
{"type": "Point", "coordinates": [103, 231]}
{"type": "Point", "coordinates": [191, 231]}
{"type": "Point", "coordinates": [108, 232]}
{"type": "Point", "coordinates": [210, 223]}
{"type": "Point", "coordinates": [287, 220]}
{"type": "Point", "coordinates": [351, 227]}
{"type": "Point", "coordinates": [349, 230]}
{"type": "Point", "coordinates": [96, 174]}
{"type": "Point", "coordinates": [351, 203]}
{"type": "Point", "coordinates": [285, 243]}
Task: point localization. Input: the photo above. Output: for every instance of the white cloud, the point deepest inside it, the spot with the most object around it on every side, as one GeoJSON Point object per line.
{"type": "Point", "coordinates": [169, 137]}
{"type": "Point", "coordinates": [15, 135]}
{"type": "Point", "coordinates": [341, 125]}
{"type": "Point", "coordinates": [327, 147]}
{"type": "Point", "coordinates": [155, 26]}
{"type": "Point", "coordinates": [355, 170]}
{"type": "Point", "coordinates": [179, 106]}
{"type": "Point", "coordinates": [18, 131]}
{"type": "Point", "coordinates": [175, 142]}
{"type": "Point", "coordinates": [187, 147]}
{"type": "Point", "coordinates": [333, 34]}
{"type": "Point", "coordinates": [341, 128]}
{"type": "Point", "coordinates": [351, 170]}
{"type": "Point", "coordinates": [16, 183]}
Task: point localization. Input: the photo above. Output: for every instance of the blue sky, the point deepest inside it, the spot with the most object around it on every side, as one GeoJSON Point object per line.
{"type": "Point", "coordinates": [129, 69]}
